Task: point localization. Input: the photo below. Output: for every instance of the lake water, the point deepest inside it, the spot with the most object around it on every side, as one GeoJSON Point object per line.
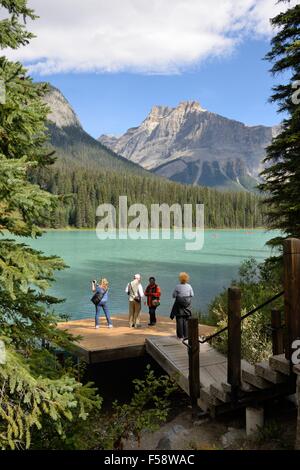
{"type": "Point", "coordinates": [211, 269]}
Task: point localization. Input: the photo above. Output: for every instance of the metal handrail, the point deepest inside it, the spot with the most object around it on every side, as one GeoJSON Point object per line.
{"type": "Point", "coordinates": [251, 312]}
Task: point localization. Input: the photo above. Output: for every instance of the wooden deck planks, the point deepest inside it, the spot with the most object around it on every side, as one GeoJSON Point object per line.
{"type": "Point", "coordinates": [173, 358]}
{"type": "Point", "coordinates": [122, 342]}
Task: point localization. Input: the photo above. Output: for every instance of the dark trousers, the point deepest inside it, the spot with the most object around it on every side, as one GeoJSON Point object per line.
{"type": "Point", "coordinates": [152, 314]}
{"type": "Point", "coordinates": [181, 327]}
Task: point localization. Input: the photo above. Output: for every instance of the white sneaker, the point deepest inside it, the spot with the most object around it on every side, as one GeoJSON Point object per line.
{"type": "Point", "coordinates": [97, 326]}
{"type": "Point", "coordinates": [110, 326]}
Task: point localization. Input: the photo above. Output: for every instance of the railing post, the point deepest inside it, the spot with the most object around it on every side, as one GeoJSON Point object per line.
{"type": "Point", "coordinates": [291, 259]}
{"type": "Point", "coordinates": [194, 364]}
{"type": "Point", "coordinates": [277, 332]}
{"type": "Point", "coordinates": [234, 340]}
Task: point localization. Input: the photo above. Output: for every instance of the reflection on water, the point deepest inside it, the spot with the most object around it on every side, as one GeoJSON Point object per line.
{"type": "Point", "coordinates": [211, 269]}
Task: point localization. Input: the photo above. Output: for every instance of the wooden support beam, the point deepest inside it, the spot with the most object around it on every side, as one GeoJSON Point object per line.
{"type": "Point", "coordinates": [277, 332]}
{"type": "Point", "coordinates": [194, 365]}
{"type": "Point", "coordinates": [234, 341]}
{"type": "Point", "coordinates": [291, 260]}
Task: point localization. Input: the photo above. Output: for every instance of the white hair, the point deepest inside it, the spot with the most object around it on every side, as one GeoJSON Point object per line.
{"type": "Point", "coordinates": [137, 276]}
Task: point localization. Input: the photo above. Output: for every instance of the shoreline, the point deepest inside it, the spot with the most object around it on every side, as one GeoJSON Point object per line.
{"type": "Point", "coordinates": [84, 229]}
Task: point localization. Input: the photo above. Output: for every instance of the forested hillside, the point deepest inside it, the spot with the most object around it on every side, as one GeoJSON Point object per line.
{"type": "Point", "coordinates": [87, 188]}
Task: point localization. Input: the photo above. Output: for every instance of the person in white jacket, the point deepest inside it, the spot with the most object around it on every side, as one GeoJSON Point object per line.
{"type": "Point", "coordinates": [135, 293]}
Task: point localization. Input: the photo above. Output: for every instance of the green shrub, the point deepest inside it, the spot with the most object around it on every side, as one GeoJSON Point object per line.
{"type": "Point", "coordinates": [207, 319]}
{"type": "Point", "coordinates": [147, 410]}
{"type": "Point", "coordinates": [257, 282]}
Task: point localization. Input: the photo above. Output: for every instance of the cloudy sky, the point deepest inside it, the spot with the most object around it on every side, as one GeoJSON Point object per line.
{"type": "Point", "coordinates": [115, 59]}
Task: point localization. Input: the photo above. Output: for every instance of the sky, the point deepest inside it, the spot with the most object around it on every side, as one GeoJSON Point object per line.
{"type": "Point", "coordinates": [115, 59]}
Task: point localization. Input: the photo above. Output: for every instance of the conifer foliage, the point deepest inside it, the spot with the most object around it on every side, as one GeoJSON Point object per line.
{"type": "Point", "coordinates": [86, 188]}
{"type": "Point", "coordinates": [32, 390]}
{"type": "Point", "coordinates": [282, 175]}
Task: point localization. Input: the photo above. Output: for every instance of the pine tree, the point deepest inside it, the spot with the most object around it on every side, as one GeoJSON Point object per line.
{"type": "Point", "coordinates": [87, 188]}
{"type": "Point", "coordinates": [282, 174]}
{"type": "Point", "coordinates": [29, 391]}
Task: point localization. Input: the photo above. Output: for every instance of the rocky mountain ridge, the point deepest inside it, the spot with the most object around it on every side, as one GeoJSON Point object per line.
{"type": "Point", "coordinates": [191, 145]}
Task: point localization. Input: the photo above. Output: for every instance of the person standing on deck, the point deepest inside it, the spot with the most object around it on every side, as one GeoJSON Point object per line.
{"type": "Point", "coordinates": [182, 308]}
{"type": "Point", "coordinates": [135, 293]}
{"type": "Point", "coordinates": [153, 294]}
{"type": "Point", "coordinates": [102, 289]}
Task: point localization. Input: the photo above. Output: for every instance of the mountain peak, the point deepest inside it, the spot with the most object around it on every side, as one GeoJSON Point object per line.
{"type": "Point", "coordinates": [160, 111]}
{"type": "Point", "coordinates": [190, 145]}
{"type": "Point", "coordinates": [61, 112]}
{"type": "Point", "coordinates": [156, 114]}
{"type": "Point", "coordinates": [191, 106]}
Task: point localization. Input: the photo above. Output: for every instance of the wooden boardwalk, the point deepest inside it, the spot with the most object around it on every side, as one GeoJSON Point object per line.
{"type": "Point", "coordinates": [121, 342]}
{"type": "Point", "coordinates": [172, 356]}
{"type": "Point", "coordinates": [259, 382]}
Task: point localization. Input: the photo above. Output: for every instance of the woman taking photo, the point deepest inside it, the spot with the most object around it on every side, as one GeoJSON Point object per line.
{"type": "Point", "coordinates": [100, 300]}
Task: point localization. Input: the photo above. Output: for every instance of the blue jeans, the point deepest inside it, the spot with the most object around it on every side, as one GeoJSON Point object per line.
{"type": "Point", "coordinates": [105, 310]}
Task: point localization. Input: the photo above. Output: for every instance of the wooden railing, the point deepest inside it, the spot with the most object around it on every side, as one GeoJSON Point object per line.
{"type": "Point", "coordinates": [291, 293]}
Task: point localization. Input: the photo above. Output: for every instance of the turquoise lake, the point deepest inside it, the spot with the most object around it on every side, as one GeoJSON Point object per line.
{"type": "Point", "coordinates": [211, 269]}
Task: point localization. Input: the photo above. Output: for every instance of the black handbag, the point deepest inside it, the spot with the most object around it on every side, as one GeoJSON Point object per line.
{"type": "Point", "coordinates": [97, 297]}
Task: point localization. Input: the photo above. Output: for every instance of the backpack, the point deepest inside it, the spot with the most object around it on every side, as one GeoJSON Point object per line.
{"type": "Point", "coordinates": [137, 297]}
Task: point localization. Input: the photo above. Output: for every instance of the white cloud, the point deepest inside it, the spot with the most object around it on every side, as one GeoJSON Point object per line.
{"type": "Point", "coordinates": [150, 36]}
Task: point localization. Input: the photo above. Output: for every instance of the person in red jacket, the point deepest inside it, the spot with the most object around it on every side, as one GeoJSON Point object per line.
{"type": "Point", "coordinates": [153, 294]}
